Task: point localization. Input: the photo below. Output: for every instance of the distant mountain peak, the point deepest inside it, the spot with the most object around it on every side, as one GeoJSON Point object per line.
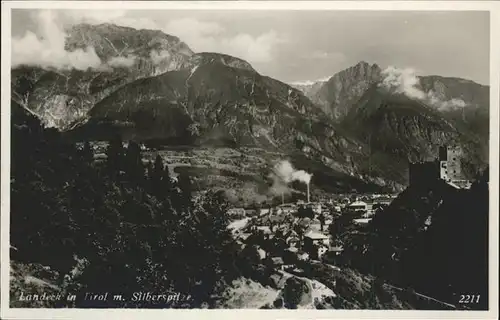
{"type": "Point", "coordinates": [362, 69]}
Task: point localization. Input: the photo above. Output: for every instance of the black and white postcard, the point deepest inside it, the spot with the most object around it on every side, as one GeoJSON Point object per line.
{"type": "Point", "coordinates": [292, 159]}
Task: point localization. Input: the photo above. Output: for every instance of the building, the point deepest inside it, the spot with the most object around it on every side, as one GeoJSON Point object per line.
{"type": "Point", "coordinates": [292, 241]}
{"type": "Point", "coordinates": [277, 261]}
{"type": "Point", "coordinates": [266, 230]}
{"type": "Point", "coordinates": [316, 208]}
{"type": "Point", "coordinates": [358, 206]}
{"type": "Point", "coordinates": [236, 212]}
{"type": "Point", "coordinates": [263, 212]}
{"type": "Point", "coordinates": [333, 255]}
{"type": "Point", "coordinates": [288, 208]}
{"type": "Point", "coordinates": [382, 200]}
{"type": "Point", "coordinates": [303, 256]}
{"type": "Point", "coordinates": [322, 249]}
{"type": "Point", "coordinates": [337, 250]}
{"type": "Point", "coordinates": [251, 212]}
{"type": "Point", "coordinates": [363, 221]}
{"type": "Point", "coordinates": [316, 238]}
{"type": "Point", "coordinates": [447, 167]}
{"type": "Point", "coordinates": [262, 253]}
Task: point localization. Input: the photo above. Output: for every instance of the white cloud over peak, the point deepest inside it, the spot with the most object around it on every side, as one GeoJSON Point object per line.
{"type": "Point", "coordinates": [158, 56]}
{"type": "Point", "coordinates": [211, 36]}
{"type": "Point", "coordinates": [402, 81]}
{"type": "Point", "coordinates": [47, 48]}
{"type": "Point", "coordinates": [405, 81]}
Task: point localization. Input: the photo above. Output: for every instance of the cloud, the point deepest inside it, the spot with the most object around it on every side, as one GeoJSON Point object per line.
{"type": "Point", "coordinates": [47, 48]}
{"type": "Point", "coordinates": [402, 81]}
{"type": "Point", "coordinates": [405, 81]}
{"type": "Point", "coordinates": [310, 82]}
{"type": "Point", "coordinates": [158, 56]}
{"type": "Point", "coordinates": [212, 37]}
{"type": "Point", "coordinates": [198, 34]}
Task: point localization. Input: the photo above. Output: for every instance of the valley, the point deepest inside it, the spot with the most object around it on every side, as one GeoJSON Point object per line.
{"type": "Point", "coordinates": [163, 169]}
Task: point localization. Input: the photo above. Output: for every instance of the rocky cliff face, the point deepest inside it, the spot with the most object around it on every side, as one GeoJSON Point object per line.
{"type": "Point", "coordinates": [466, 103]}
{"type": "Point", "coordinates": [343, 89]}
{"type": "Point", "coordinates": [152, 86]}
{"type": "Point", "coordinates": [62, 97]}
{"type": "Point", "coordinates": [449, 95]}
{"type": "Point", "coordinates": [309, 89]}
{"type": "Point", "coordinates": [407, 129]}
{"type": "Point", "coordinates": [409, 125]}
{"type": "Point", "coordinates": [221, 101]}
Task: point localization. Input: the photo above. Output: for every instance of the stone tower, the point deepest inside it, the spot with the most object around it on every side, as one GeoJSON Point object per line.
{"type": "Point", "coordinates": [450, 158]}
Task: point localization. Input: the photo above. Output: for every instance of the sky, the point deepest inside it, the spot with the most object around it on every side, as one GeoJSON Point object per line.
{"type": "Point", "coordinates": [291, 46]}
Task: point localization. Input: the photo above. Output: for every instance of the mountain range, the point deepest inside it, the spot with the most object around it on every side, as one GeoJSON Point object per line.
{"type": "Point", "coordinates": [358, 126]}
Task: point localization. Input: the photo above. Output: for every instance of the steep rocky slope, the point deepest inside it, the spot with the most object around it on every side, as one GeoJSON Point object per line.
{"type": "Point", "coordinates": [222, 101]}
{"type": "Point", "coordinates": [394, 125]}
{"type": "Point", "coordinates": [336, 95]}
{"type": "Point", "coordinates": [464, 102]}
{"type": "Point", "coordinates": [407, 117]}
{"type": "Point", "coordinates": [310, 89]}
{"type": "Point", "coordinates": [152, 86]}
{"type": "Point", "coordinates": [470, 112]}
{"type": "Point", "coordinates": [61, 97]}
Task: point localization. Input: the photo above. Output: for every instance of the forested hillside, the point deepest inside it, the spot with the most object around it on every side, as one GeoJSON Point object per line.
{"type": "Point", "coordinates": [112, 225]}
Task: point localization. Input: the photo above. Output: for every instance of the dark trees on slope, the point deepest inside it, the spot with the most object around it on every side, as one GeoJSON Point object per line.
{"type": "Point", "coordinates": [433, 239]}
{"type": "Point", "coordinates": [124, 224]}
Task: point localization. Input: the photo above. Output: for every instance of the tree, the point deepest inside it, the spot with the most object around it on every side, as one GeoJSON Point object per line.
{"type": "Point", "coordinates": [292, 293]}
{"type": "Point", "coordinates": [341, 225]}
{"type": "Point", "coordinates": [114, 155]}
{"type": "Point", "coordinates": [158, 167]}
{"type": "Point", "coordinates": [321, 219]}
{"type": "Point", "coordinates": [160, 181]}
{"type": "Point", "coordinates": [63, 207]}
{"type": "Point", "coordinates": [133, 162]}
{"type": "Point", "coordinates": [87, 152]}
{"type": "Point", "coordinates": [185, 185]}
{"type": "Point", "coordinates": [149, 170]}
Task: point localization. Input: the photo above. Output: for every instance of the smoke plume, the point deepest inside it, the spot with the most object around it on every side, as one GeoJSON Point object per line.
{"type": "Point", "coordinates": [47, 48]}
{"type": "Point", "coordinates": [283, 174]}
{"type": "Point", "coordinates": [405, 81]}
{"type": "Point", "coordinates": [286, 172]}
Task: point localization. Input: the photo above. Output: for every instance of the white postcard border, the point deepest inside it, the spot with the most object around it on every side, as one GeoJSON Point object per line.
{"type": "Point", "coordinates": [492, 6]}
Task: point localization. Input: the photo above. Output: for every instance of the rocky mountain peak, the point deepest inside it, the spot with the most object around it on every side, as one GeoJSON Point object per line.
{"type": "Point", "coordinates": [227, 60]}
{"type": "Point", "coordinates": [110, 41]}
{"type": "Point", "coordinates": [359, 72]}
{"type": "Point", "coordinates": [345, 87]}
{"type": "Point", "coordinates": [62, 97]}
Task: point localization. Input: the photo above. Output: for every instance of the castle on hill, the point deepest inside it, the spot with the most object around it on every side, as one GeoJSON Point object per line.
{"type": "Point", "coordinates": [446, 167]}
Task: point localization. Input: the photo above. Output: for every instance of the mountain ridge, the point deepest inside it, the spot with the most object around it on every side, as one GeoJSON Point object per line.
{"type": "Point", "coordinates": [212, 98]}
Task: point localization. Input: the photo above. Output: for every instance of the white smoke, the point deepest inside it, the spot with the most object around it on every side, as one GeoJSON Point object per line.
{"type": "Point", "coordinates": [405, 81]}
{"type": "Point", "coordinates": [283, 174]}
{"type": "Point", "coordinates": [287, 173]}
{"type": "Point", "coordinates": [47, 48]}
